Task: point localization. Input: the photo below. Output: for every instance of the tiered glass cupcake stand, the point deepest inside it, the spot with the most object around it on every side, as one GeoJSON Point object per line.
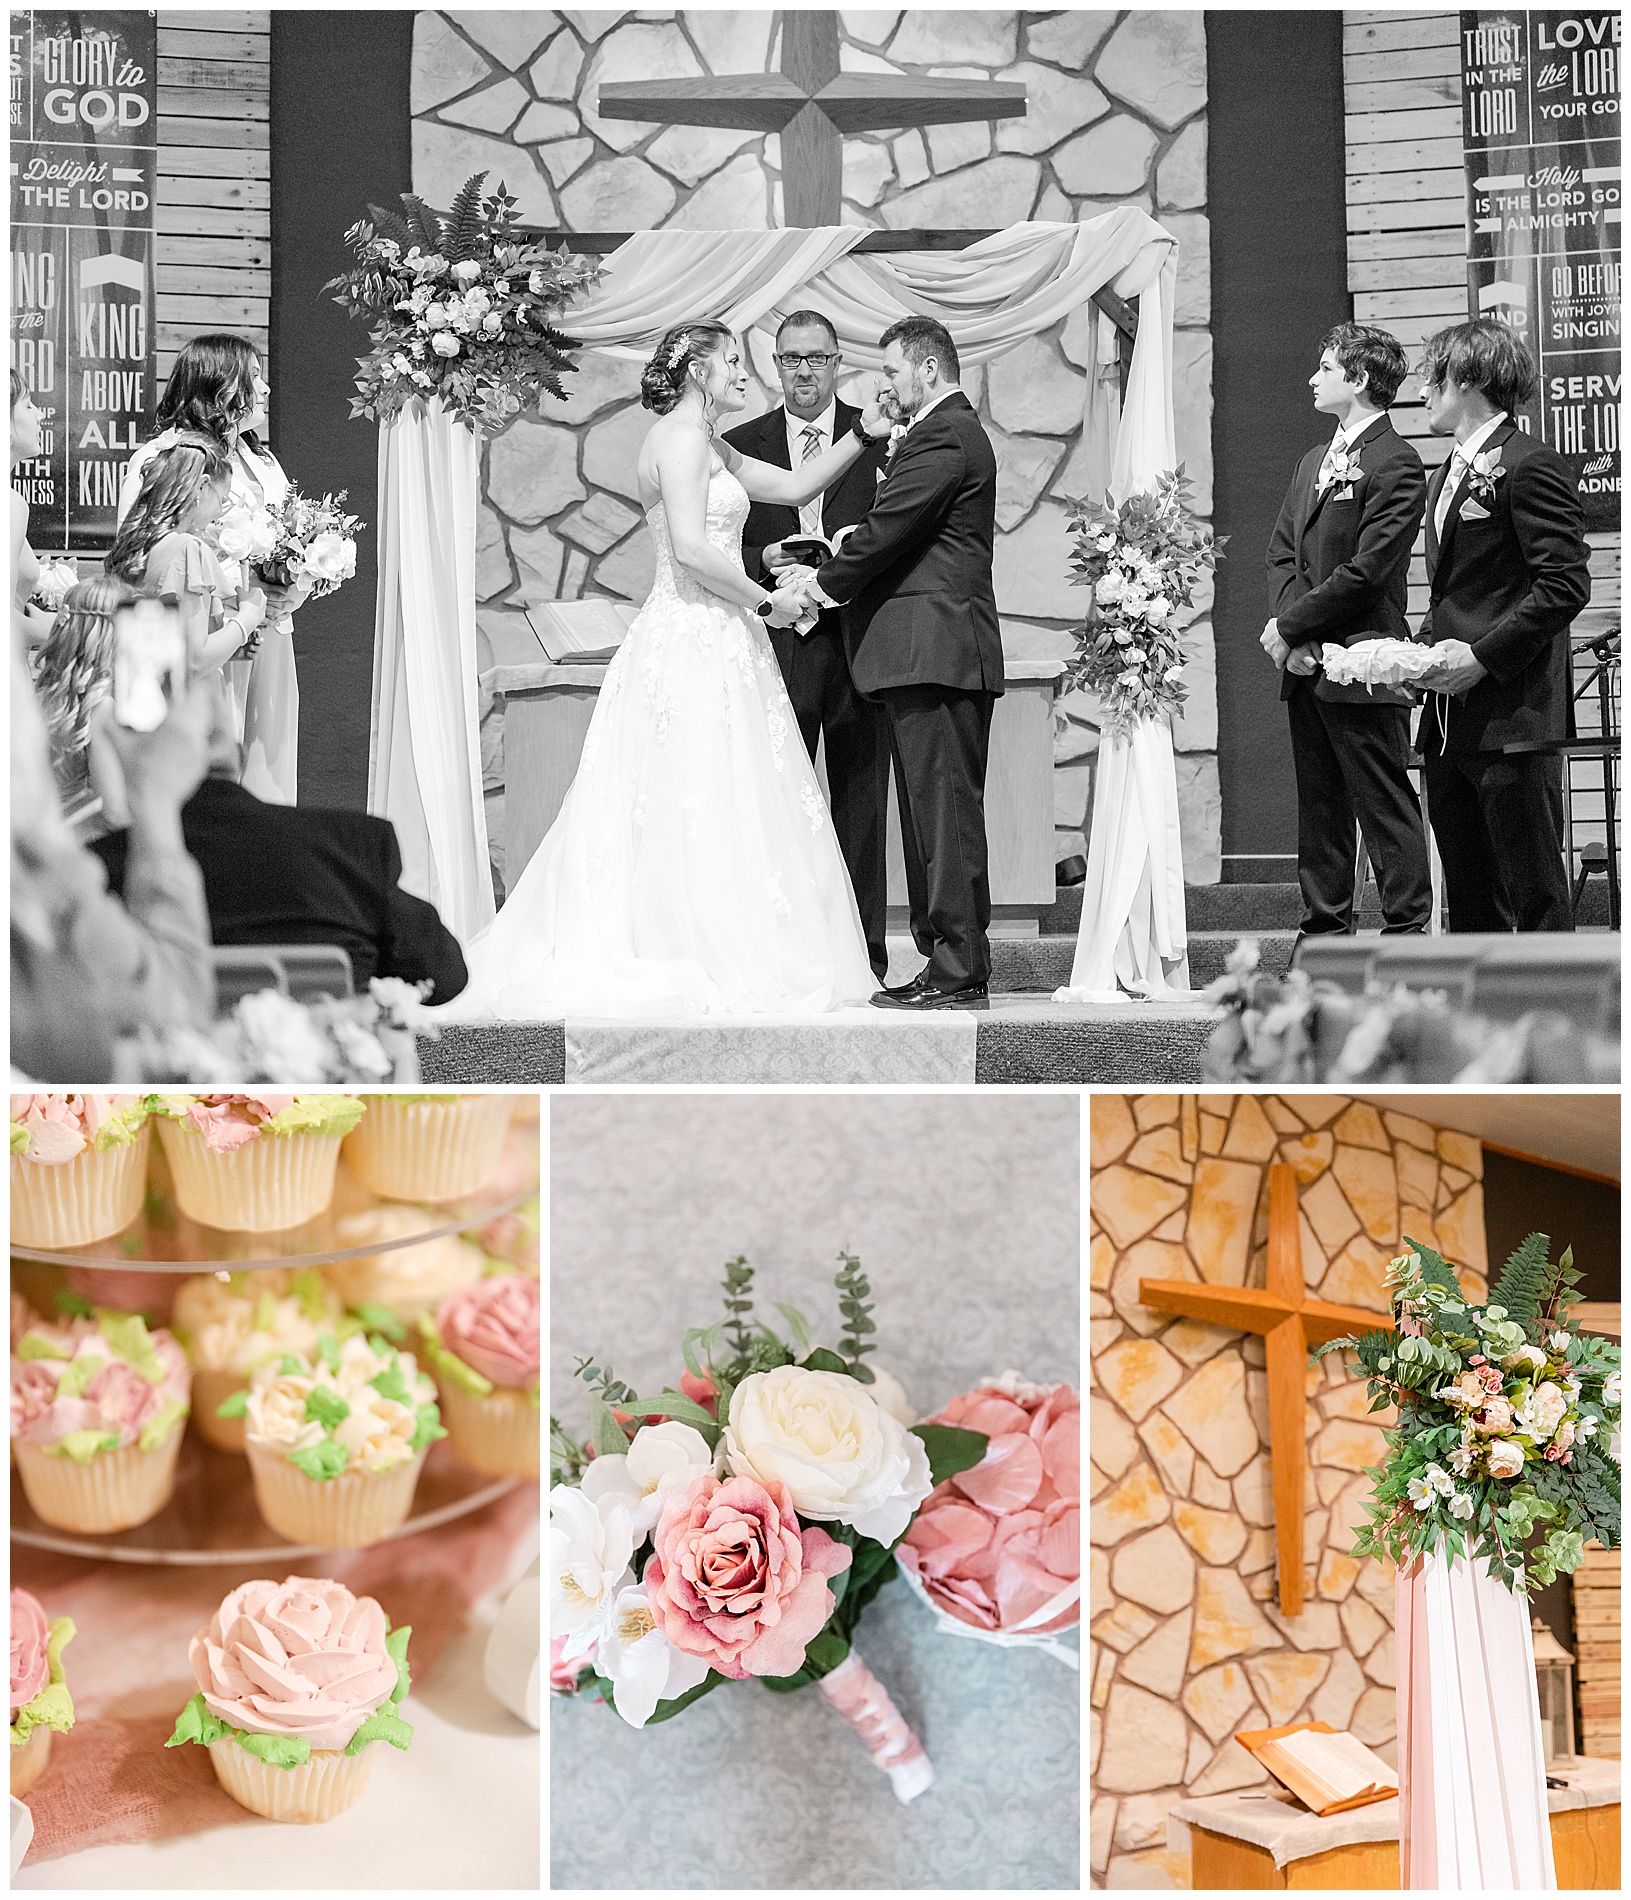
{"type": "Point", "coordinates": [212, 1517]}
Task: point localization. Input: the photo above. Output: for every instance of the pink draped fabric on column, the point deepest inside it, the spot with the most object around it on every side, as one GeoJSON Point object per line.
{"type": "Point", "coordinates": [1472, 1767]}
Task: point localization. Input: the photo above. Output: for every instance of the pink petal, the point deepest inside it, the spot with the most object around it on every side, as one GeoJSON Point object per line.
{"type": "Point", "coordinates": [1062, 1455]}
{"type": "Point", "coordinates": [992, 1414]}
{"type": "Point", "coordinates": [1006, 1478]}
{"type": "Point", "coordinates": [945, 1538]}
{"type": "Point", "coordinates": [1061, 1544]}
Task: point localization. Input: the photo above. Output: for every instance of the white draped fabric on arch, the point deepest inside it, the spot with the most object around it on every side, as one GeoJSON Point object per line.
{"type": "Point", "coordinates": [997, 293]}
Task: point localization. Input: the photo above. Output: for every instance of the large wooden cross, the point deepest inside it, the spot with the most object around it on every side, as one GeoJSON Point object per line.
{"type": "Point", "coordinates": [812, 105]}
{"type": "Point", "coordinates": [1290, 1322]}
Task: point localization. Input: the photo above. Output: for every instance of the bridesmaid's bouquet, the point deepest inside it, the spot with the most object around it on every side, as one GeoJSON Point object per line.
{"type": "Point", "coordinates": [316, 540]}
{"type": "Point", "coordinates": [737, 1527]}
{"type": "Point", "coordinates": [52, 584]}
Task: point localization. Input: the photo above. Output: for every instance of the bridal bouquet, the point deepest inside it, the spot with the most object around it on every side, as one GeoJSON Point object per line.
{"type": "Point", "coordinates": [1142, 561]}
{"type": "Point", "coordinates": [738, 1526]}
{"type": "Point", "coordinates": [1505, 1418]}
{"type": "Point", "coordinates": [52, 583]}
{"type": "Point", "coordinates": [461, 307]}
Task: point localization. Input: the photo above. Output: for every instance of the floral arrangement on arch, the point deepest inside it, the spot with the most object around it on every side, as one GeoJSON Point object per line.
{"type": "Point", "coordinates": [1505, 1420]}
{"type": "Point", "coordinates": [462, 308]}
{"type": "Point", "coordinates": [1142, 559]}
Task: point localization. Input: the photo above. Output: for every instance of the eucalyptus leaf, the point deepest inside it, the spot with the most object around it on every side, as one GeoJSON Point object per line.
{"type": "Point", "coordinates": [605, 1434]}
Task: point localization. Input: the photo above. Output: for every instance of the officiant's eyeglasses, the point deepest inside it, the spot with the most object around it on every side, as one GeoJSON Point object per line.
{"type": "Point", "coordinates": [818, 359]}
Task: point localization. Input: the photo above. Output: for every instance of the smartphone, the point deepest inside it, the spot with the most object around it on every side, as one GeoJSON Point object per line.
{"type": "Point", "coordinates": [149, 663]}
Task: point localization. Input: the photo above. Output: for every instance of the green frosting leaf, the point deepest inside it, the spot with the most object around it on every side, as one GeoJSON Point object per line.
{"type": "Point", "coordinates": [128, 1339]}
{"type": "Point", "coordinates": [390, 1384]}
{"type": "Point", "coordinates": [78, 1374]}
{"type": "Point", "coordinates": [122, 1127]}
{"type": "Point", "coordinates": [449, 1365]}
{"type": "Point", "coordinates": [328, 1408]}
{"type": "Point", "coordinates": [380, 1319]}
{"type": "Point", "coordinates": [164, 1421]}
{"type": "Point", "coordinates": [19, 1139]}
{"type": "Point", "coordinates": [37, 1346]}
{"type": "Point", "coordinates": [265, 1311]}
{"type": "Point", "coordinates": [429, 1427]}
{"type": "Point", "coordinates": [328, 1350]}
{"type": "Point", "coordinates": [82, 1447]}
{"type": "Point", "coordinates": [292, 1366]}
{"type": "Point", "coordinates": [235, 1404]}
{"type": "Point", "coordinates": [307, 1287]}
{"type": "Point", "coordinates": [326, 1115]}
{"type": "Point", "coordinates": [326, 1460]}
{"type": "Point", "coordinates": [381, 1728]}
{"type": "Point", "coordinates": [72, 1305]}
{"type": "Point", "coordinates": [53, 1707]}
{"type": "Point", "coordinates": [281, 1751]}
{"type": "Point", "coordinates": [396, 1647]}
{"type": "Point", "coordinates": [196, 1724]}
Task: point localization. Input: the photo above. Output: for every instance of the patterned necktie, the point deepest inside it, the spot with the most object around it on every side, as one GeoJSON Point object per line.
{"type": "Point", "coordinates": [809, 449]}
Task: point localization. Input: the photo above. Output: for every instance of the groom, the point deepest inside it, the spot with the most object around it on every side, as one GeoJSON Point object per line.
{"type": "Point", "coordinates": [920, 625]}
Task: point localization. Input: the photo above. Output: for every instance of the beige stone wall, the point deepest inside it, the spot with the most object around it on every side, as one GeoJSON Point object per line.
{"type": "Point", "coordinates": [1188, 1645]}
{"type": "Point", "coordinates": [1117, 116]}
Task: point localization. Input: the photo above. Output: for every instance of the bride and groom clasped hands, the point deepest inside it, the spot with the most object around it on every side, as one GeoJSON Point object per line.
{"type": "Point", "coordinates": [694, 866]}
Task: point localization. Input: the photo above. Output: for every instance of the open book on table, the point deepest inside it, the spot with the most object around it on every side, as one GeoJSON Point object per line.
{"type": "Point", "coordinates": [1327, 1769]}
{"type": "Point", "coordinates": [581, 632]}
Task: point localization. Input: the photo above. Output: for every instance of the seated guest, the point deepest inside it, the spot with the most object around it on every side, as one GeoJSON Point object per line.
{"type": "Point", "coordinates": [1508, 570]}
{"type": "Point", "coordinates": [293, 874]}
{"type": "Point", "coordinates": [73, 676]}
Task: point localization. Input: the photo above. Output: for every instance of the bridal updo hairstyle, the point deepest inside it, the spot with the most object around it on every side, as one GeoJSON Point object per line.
{"type": "Point", "coordinates": [662, 381]}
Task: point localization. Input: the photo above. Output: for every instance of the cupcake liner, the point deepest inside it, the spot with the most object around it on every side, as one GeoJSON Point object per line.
{"type": "Point", "coordinates": [428, 1151]}
{"type": "Point", "coordinates": [271, 1182]}
{"type": "Point", "coordinates": [78, 1201]}
{"type": "Point", "coordinates": [324, 1785]}
{"type": "Point", "coordinates": [499, 1435]}
{"type": "Point", "coordinates": [210, 1387]}
{"type": "Point", "coordinates": [28, 1762]}
{"type": "Point", "coordinates": [343, 1513]}
{"type": "Point", "coordinates": [115, 1491]}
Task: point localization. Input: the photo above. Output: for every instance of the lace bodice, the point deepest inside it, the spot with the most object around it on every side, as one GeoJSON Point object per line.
{"type": "Point", "coordinates": [728, 506]}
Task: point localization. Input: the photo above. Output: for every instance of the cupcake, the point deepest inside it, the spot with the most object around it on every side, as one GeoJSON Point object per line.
{"type": "Point", "coordinates": [389, 1290]}
{"type": "Point", "coordinates": [429, 1147]}
{"type": "Point", "coordinates": [513, 1237]}
{"type": "Point", "coordinates": [255, 1163]}
{"type": "Point", "coordinates": [78, 1167]}
{"type": "Point", "coordinates": [295, 1679]}
{"type": "Point", "coordinates": [40, 1700]}
{"type": "Point", "coordinates": [336, 1441]}
{"type": "Point", "coordinates": [483, 1347]}
{"type": "Point", "coordinates": [230, 1324]}
{"type": "Point", "coordinates": [97, 1409]}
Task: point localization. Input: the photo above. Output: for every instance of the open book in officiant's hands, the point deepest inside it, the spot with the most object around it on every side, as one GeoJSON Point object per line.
{"type": "Point", "coordinates": [1327, 1769]}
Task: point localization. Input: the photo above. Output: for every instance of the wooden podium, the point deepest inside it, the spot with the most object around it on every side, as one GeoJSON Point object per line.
{"type": "Point", "coordinates": [547, 713]}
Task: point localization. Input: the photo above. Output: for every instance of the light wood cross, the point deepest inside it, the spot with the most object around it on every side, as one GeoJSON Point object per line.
{"type": "Point", "coordinates": [1290, 1323]}
{"type": "Point", "coordinates": [812, 105]}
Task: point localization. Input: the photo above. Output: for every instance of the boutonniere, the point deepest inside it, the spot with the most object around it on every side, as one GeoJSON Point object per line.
{"type": "Point", "coordinates": [1484, 470]}
{"type": "Point", "coordinates": [1342, 465]}
{"type": "Point", "coordinates": [896, 436]}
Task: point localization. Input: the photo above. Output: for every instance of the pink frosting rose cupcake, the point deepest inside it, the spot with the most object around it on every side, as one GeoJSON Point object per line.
{"type": "Point", "coordinates": [255, 1163]}
{"type": "Point", "coordinates": [40, 1701]}
{"type": "Point", "coordinates": [295, 1679]}
{"type": "Point", "coordinates": [429, 1147]}
{"type": "Point", "coordinates": [484, 1347]}
{"type": "Point", "coordinates": [78, 1167]}
{"type": "Point", "coordinates": [97, 1410]}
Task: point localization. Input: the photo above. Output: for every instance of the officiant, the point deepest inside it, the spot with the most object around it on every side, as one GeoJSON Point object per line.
{"type": "Point", "coordinates": [814, 665]}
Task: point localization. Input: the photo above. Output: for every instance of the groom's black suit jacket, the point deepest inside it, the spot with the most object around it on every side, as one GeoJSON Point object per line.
{"type": "Point", "coordinates": [915, 577]}
{"type": "Point", "coordinates": [1339, 562]}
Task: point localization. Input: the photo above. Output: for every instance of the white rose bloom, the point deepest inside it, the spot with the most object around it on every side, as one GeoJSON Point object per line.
{"type": "Point", "coordinates": [1505, 1458]}
{"type": "Point", "coordinates": [643, 1666]}
{"type": "Point", "coordinates": [841, 1455]}
{"type": "Point", "coordinates": [590, 1548]}
{"type": "Point", "coordinates": [1158, 610]}
{"type": "Point", "coordinates": [661, 1459]}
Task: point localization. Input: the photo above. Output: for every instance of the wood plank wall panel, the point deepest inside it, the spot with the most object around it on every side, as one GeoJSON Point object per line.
{"type": "Point", "coordinates": [1407, 231]}
{"type": "Point", "coordinates": [214, 255]}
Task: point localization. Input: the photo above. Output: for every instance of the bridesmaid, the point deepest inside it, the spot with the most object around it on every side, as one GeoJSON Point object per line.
{"type": "Point", "coordinates": [29, 624]}
{"type": "Point", "coordinates": [218, 388]}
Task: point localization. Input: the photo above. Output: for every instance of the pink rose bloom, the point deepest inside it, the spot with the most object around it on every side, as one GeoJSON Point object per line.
{"type": "Point", "coordinates": [699, 1392]}
{"type": "Point", "coordinates": [733, 1578]}
{"type": "Point", "coordinates": [299, 1658]}
{"type": "Point", "coordinates": [227, 1121]}
{"type": "Point", "coordinates": [62, 1126]}
{"type": "Point", "coordinates": [1496, 1416]}
{"type": "Point", "coordinates": [494, 1327]}
{"type": "Point", "coordinates": [563, 1675]}
{"type": "Point", "coordinates": [29, 1634]}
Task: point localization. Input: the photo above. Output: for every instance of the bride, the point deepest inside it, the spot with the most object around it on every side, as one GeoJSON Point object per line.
{"type": "Point", "coordinates": [693, 867]}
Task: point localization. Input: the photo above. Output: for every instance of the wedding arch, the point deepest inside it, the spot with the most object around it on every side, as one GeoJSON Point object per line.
{"type": "Point", "coordinates": [992, 295]}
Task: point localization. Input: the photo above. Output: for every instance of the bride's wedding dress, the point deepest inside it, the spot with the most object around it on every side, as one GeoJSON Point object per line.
{"type": "Point", "coordinates": [693, 867]}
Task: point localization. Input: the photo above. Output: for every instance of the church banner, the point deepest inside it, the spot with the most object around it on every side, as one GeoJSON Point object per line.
{"type": "Point", "coordinates": [1541, 125]}
{"type": "Point", "coordinates": [84, 159]}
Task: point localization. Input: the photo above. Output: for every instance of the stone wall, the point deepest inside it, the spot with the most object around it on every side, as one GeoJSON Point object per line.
{"type": "Point", "coordinates": [1117, 115]}
{"type": "Point", "coordinates": [1188, 1644]}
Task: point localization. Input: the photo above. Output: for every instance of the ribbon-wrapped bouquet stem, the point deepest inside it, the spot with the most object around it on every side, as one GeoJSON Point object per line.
{"type": "Point", "coordinates": [738, 1526]}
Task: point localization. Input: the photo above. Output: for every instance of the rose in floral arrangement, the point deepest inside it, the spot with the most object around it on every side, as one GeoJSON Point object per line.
{"type": "Point", "coordinates": [1505, 1458]}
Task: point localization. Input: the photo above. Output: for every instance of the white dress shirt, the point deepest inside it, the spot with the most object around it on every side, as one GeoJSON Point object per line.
{"type": "Point", "coordinates": [810, 512]}
{"type": "Point", "coordinates": [1344, 439]}
{"type": "Point", "coordinates": [1464, 452]}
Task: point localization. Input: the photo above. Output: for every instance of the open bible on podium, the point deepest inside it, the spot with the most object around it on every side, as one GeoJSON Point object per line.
{"type": "Point", "coordinates": [1328, 1770]}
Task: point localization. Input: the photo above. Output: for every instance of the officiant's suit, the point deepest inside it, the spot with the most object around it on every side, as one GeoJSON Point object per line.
{"type": "Point", "coordinates": [1338, 567]}
{"type": "Point", "coordinates": [815, 670]}
{"type": "Point", "coordinates": [920, 627]}
{"type": "Point", "coordinates": [1507, 574]}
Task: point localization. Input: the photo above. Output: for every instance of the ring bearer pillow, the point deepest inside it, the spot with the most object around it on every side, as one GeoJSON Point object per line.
{"type": "Point", "coordinates": [581, 632]}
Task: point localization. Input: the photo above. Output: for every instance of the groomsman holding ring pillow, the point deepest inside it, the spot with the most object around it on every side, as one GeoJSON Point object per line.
{"type": "Point", "coordinates": [1338, 563]}
{"type": "Point", "coordinates": [1508, 572]}
{"type": "Point", "coordinates": [778, 537]}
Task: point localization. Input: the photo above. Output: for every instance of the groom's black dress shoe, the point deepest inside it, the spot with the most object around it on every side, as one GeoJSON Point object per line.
{"type": "Point", "coordinates": [905, 989]}
{"type": "Point", "coordinates": [932, 996]}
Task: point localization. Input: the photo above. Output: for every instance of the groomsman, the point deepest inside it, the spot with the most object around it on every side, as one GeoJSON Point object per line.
{"type": "Point", "coordinates": [1507, 563]}
{"type": "Point", "coordinates": [815, 666]}
{"type": "Point", "coordinates": [1338, 564]}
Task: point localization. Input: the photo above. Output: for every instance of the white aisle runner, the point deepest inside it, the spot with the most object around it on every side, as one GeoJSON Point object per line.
{"type": "Point", "coordinates": [846, 1046]}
